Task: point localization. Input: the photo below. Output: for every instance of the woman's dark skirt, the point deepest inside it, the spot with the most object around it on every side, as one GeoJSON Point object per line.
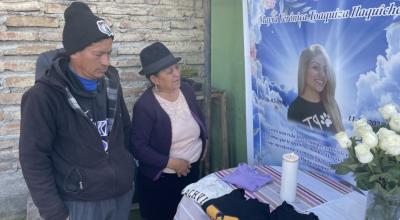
{"type": "Point", "coordinates": [158, 200]}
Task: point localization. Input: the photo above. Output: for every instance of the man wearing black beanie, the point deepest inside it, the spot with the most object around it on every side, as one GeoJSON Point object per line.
{"type": "Point", "coordinates": [75, 128]}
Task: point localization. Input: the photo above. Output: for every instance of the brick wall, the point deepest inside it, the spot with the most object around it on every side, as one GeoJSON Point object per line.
{"type": "Point", "coordinates": [28, 28]}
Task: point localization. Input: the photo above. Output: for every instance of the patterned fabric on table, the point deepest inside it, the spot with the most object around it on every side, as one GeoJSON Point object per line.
{"type": "Point", "coordinates": [307, 196]}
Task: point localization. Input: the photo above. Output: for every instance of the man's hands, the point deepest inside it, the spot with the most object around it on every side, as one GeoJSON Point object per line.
{"type": "Point", "coordinates": [181, 167]}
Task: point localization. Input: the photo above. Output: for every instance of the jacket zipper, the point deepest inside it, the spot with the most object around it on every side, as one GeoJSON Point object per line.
{"type": "Point", "coordinates": [99, 137]}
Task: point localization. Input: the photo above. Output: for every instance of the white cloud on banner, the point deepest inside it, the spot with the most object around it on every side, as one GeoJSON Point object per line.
{"type": "Point", "coordinates": [379, 87]}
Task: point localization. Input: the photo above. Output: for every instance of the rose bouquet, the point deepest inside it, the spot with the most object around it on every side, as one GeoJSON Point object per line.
{"type": "Point", "coordinates": [374, 160]}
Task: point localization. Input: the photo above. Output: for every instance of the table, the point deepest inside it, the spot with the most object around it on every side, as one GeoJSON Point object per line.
{"type": "Point", "coordinates": [324, 196]}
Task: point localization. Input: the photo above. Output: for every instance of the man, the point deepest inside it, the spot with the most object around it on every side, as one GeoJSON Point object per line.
{"type": "Point", "coordinates": [74, 128]}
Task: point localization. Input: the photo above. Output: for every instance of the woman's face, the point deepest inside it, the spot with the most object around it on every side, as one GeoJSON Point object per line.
{"type": "Point", "coordinates": [316, 75]}
{"type": "Point", "coordinates": [168, 79]}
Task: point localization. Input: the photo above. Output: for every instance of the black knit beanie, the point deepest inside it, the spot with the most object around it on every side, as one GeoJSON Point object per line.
{"type": "Point", "coordinates": [82, 28]}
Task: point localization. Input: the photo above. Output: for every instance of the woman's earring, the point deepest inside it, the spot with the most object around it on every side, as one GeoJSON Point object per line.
{"type": "Point", "coordinates": [156, 88]}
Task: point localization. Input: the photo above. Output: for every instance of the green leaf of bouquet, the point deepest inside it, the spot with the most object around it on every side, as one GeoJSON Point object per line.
{"type": "Point", "coordinates": [349, 161]}
{"type": "Point", "coordinates": [396, 190]}
{"type": "Point", "coordinates": [392, 184]}
{"type": "Point", "coordinates": [341, 169]}
{"type": "Point", "coordinates": [377, 188]}
{"type": "Point", "coordinates": [388, 164]}
{"type": "Point", "coordinates": [385, 176]}
{"type": "Point", "coordinates": [395, 172]}
{"type": "Point", "coordinates": [374, 168]}
{"type": "Point", "coordinates": [375, 177]}
{"type": "Point", "coordinates": [364, 184]}
{"type": "Point", "coordinates": [362, 180]}
{"type": "Point", "coordinates": [353, 167]}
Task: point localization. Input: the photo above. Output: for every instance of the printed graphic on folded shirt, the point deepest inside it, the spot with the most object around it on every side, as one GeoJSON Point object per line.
{"type": "Point", "coordinates": [207, 188]}
{"type": "Point", "coordinates": [215, 214]}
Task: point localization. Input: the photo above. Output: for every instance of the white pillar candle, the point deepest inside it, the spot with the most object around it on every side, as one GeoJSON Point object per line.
{"type": "Point", "coordinates": [290, 163]}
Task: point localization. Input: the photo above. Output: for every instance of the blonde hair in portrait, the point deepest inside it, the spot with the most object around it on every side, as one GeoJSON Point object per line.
{"type": "Point", "coordinates": [327, 95]}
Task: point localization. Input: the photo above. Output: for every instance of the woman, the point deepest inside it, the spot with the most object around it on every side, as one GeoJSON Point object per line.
{"type": "Point", "coordinates": [168, 135]}
{"type": "Point", "coordinates": [316, 106]}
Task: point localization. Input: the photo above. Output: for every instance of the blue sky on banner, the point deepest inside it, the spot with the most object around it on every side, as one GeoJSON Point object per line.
{"type": "Point", "coordinates": [362, 39]}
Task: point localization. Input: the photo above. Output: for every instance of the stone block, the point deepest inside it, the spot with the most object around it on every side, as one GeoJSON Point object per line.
{"type": "Point", "coordinates": [29, 49]}
{"type": "Point", "coordinates": [11, 128]}
{"type": "Point", "coordinates": [127, 62]}
{"type": "Point", "coordinates": [9, 165]}
{"type": "Point", "coordinates": [125, 9]}
{"type": "Point", "coordinates": [170, 12]}
{"type": "Point", "coordinates": [20, 6]}
{"type": "Point", "coordinates": [8, 154]}
{"type": "Point", "coordinates": [135, 1]}
{"type": "Point", "coordinates": [175, 35]}
{"type": "Point", "coordinates": [8, 143]}
{"type": "Point", "coordinates": [131, 75]}
{"type": "Point", "coordinates": [168, 2]}
{"type": "Point", "coordinates": [129, 50]}
{"type": "Point", "coordinates": [124, 37]}
{"type": "Point", "coordinates": [10, 114]}
{"type": "Point", "coordinates": [59, 8]}
{"type": "Point", "coordinates": [55, 8]}
{"type": "Point", "coordinates": [187, 3]}
{"type": "Point", "coordinates": [10, 98]}
{"type": "Point", "coordinates": [51, 36]}
{"type": "Point", "coordinates": [129, 92]}
{"type": "Point", "coordinates": [21, 82]}
{"type": "Point", "coordinates": [191, 23]}
{"type": "Point", "coordinates": [185, 46]}
{"type": "Point", "coordinates": [16, 66]}
{"type": "Point", "coordinates": [193, 58]}
{"type": "Point", "coordinates": [13, 195]}
{"type": "Point", "coordinates": [18, 36]}
{"type": "Point", "coordinates": [141, 23]}
{"type": "Point", "coordinates": [31, 21]}
{"type": "Point", "coordinates": [151, 2]}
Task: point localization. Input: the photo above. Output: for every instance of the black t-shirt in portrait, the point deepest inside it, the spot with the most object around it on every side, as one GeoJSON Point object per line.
{"type": "Point", "coordinates": [310, 114]}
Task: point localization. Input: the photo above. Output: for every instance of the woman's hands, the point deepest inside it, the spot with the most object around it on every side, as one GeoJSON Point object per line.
{"type": "Point", "coordinates": [181, 167]}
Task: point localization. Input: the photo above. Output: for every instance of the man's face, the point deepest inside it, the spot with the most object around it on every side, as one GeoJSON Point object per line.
{"type": "Point", "coordinates": [93, 61]}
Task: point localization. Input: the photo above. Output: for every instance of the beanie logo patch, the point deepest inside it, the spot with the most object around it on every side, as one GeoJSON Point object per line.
{"type": "Point", "coordinates": [104, 28]}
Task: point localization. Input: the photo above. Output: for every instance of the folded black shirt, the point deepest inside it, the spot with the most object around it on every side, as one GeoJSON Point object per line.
{"type": "Point", "coordinates": [287, 212]}
{"type": "Point", "coordinates": [234, 206]}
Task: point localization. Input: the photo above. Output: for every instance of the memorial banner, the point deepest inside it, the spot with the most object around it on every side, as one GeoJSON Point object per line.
{"type": "Point", "coordinates": [314, 68]}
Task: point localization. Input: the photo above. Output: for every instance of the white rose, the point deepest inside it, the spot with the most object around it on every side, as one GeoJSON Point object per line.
{"type": "Point", "coordinates": [369, 138]}
{"type": "Point", "coordinates": [383, 133]}
{"type": "Point", "coordinates": [343, 140]}
{"type": "Point", "coordinates": [390, 144]}
{"type": "Point", "coordinates": [394, 151]}
{"type": "Point", "coordinates": [387, 111]}
{"type": "Point", "coordinates": [394, 122]}
{"type": "Point", "coordinates": [363, 153]}
{"type": "Point", "coordinates": [361, 126]}
{"type": "Point", "coordinates": [360, 123]}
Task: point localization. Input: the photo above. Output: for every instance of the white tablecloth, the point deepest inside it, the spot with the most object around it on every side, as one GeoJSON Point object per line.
{"type": "Point", "coordinates": [324, 196]}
